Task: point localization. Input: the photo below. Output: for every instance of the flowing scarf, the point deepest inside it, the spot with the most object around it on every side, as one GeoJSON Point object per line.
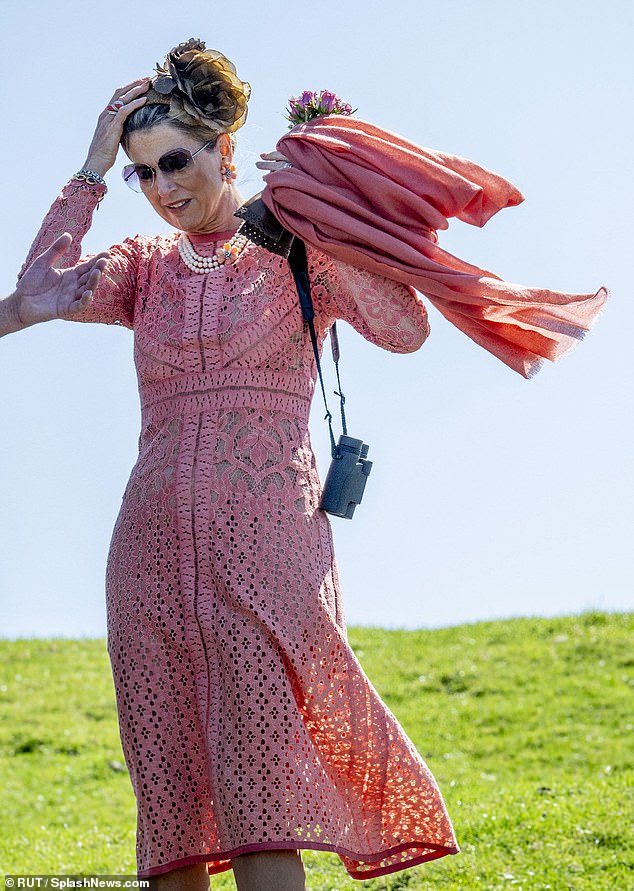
{"type": "Point", "coordinates": [373, 199]}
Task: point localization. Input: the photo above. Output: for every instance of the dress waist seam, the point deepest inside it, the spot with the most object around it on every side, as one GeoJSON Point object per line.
{"type": "Point", "coordinates": [191, 394]}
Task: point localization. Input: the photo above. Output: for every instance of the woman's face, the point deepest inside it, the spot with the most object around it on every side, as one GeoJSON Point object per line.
{"type": "Point", "coordinates": [195, 199]}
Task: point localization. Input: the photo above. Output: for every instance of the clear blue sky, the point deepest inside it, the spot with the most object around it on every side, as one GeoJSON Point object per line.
{"type": "Point", "coordinates": [491, 495]}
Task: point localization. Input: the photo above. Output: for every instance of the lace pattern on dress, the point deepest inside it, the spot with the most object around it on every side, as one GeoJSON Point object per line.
{"type": "Point", "coordinates": [246, 720]}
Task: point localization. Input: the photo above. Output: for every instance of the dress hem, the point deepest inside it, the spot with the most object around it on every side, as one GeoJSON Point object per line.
{"type": "Point", "coordinates": [435, 853]}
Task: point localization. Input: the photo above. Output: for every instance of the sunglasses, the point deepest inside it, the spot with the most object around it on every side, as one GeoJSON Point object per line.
{"type": "Point", "coordinates": [140, 177]}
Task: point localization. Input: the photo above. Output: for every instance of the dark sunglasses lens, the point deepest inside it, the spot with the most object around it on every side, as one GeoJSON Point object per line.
{"type": "Point", "coordinates": [174, 161]}
{"type": "Point", "coordinates": [137, 176]}
{"type": "Point", "coordinates": [144, 174]}
{"type": "Point", "coordinates": [141, 177]}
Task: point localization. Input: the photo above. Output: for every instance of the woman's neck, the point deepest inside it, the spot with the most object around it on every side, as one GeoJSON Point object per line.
{"type": "Point", "coordinates": [202, 238]}
{"type": "Point", "coordinates": [224, 222]}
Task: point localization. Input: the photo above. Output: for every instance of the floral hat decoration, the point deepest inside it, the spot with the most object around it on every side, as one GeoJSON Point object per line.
{"type": "Point", "coordinates": [201, 86]}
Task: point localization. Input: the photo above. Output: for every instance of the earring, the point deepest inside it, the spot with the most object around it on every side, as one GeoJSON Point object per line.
{"type": "Point", "coordinates": [228, 171]}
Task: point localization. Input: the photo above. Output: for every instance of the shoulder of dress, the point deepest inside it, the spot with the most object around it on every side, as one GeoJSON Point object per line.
{"type": "Point", "coordinates": [318, 260]}
{"type": "Point", "coordinates": [149, 245]}
{"type": "Point", "coordinates": [256, 258]}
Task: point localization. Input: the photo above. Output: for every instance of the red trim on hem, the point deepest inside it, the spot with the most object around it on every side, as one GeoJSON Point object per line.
{"type": "Point", "coordinates": [226, 856]}
{"type": "Point", "coordinates": [407, 864]}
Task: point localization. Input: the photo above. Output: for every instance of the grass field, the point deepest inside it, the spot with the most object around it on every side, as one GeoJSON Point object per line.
{"type": "Point", "coordinates": [526, 724]}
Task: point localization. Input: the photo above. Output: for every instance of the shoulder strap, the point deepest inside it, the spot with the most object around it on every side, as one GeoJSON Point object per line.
{"type": "Point", "coordinates": [299, 267]}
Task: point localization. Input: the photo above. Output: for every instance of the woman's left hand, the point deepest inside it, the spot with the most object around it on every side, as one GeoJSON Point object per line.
{"type": "Point", "coordinates": [273, 161]}
{"type": "Point", "coordinates": [105, 142]}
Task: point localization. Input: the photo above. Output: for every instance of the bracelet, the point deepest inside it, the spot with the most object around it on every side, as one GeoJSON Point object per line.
{"type": "Point", "coordinates": [90, 177]}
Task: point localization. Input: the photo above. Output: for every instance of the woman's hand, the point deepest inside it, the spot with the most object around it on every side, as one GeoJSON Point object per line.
{"type": "Point", "coordinates": [105, 142]}
{"type": "Point", "coordinates": [273, 161]}
{"type": "Point", "coordinates": [44, 293]}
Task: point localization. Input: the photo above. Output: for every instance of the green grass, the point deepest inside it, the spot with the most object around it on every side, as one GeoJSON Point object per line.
{"type": "Point", "coordinates": [526, 724]}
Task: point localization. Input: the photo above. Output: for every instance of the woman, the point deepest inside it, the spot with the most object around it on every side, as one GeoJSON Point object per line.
{"type": "Point", "coordinates": [249, 728]}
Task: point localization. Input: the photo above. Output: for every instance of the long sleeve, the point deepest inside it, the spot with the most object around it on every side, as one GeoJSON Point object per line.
{"type": "Point", "coordinates": [72, 211]}
{"type": "Point", "coordinates": [385, 312]}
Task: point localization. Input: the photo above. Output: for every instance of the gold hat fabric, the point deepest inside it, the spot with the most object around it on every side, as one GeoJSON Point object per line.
{"type": "Point", "coordinates": [201, 86]}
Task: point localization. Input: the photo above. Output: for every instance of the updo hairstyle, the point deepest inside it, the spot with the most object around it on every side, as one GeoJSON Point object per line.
{"type": "Point", "coordinates": [196, 91]}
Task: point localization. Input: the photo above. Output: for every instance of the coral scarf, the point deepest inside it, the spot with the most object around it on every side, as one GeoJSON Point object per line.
{"type": "Point", "coordinates": [371, 198]}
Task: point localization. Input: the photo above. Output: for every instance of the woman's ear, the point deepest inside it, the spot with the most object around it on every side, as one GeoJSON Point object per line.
{"type": "Point", "coordinates": [224, 147]}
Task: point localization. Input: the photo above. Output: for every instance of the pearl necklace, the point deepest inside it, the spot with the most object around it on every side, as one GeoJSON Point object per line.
{"type": "Point", "coordinates": [229, 251]}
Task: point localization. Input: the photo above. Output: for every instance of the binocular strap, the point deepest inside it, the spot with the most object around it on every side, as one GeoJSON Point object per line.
{"type": "Point", "coordinates": [299, 267]}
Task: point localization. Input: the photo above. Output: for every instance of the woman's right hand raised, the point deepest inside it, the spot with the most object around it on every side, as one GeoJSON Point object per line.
{"type": "Point", "coordinates": [45, 292]}
{"type": "Point", "coordinates": [105, 142]}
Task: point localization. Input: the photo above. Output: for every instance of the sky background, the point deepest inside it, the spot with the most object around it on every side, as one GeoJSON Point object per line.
{"type": "Point", "coordinates": [491, 496]}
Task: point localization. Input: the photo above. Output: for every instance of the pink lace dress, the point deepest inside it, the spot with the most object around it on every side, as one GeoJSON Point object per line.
{"type": "Point", "coordinates": [246, 720]}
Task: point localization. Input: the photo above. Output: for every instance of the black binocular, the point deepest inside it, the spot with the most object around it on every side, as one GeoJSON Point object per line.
{"type": "Point", "coordinates": [346, 479]}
